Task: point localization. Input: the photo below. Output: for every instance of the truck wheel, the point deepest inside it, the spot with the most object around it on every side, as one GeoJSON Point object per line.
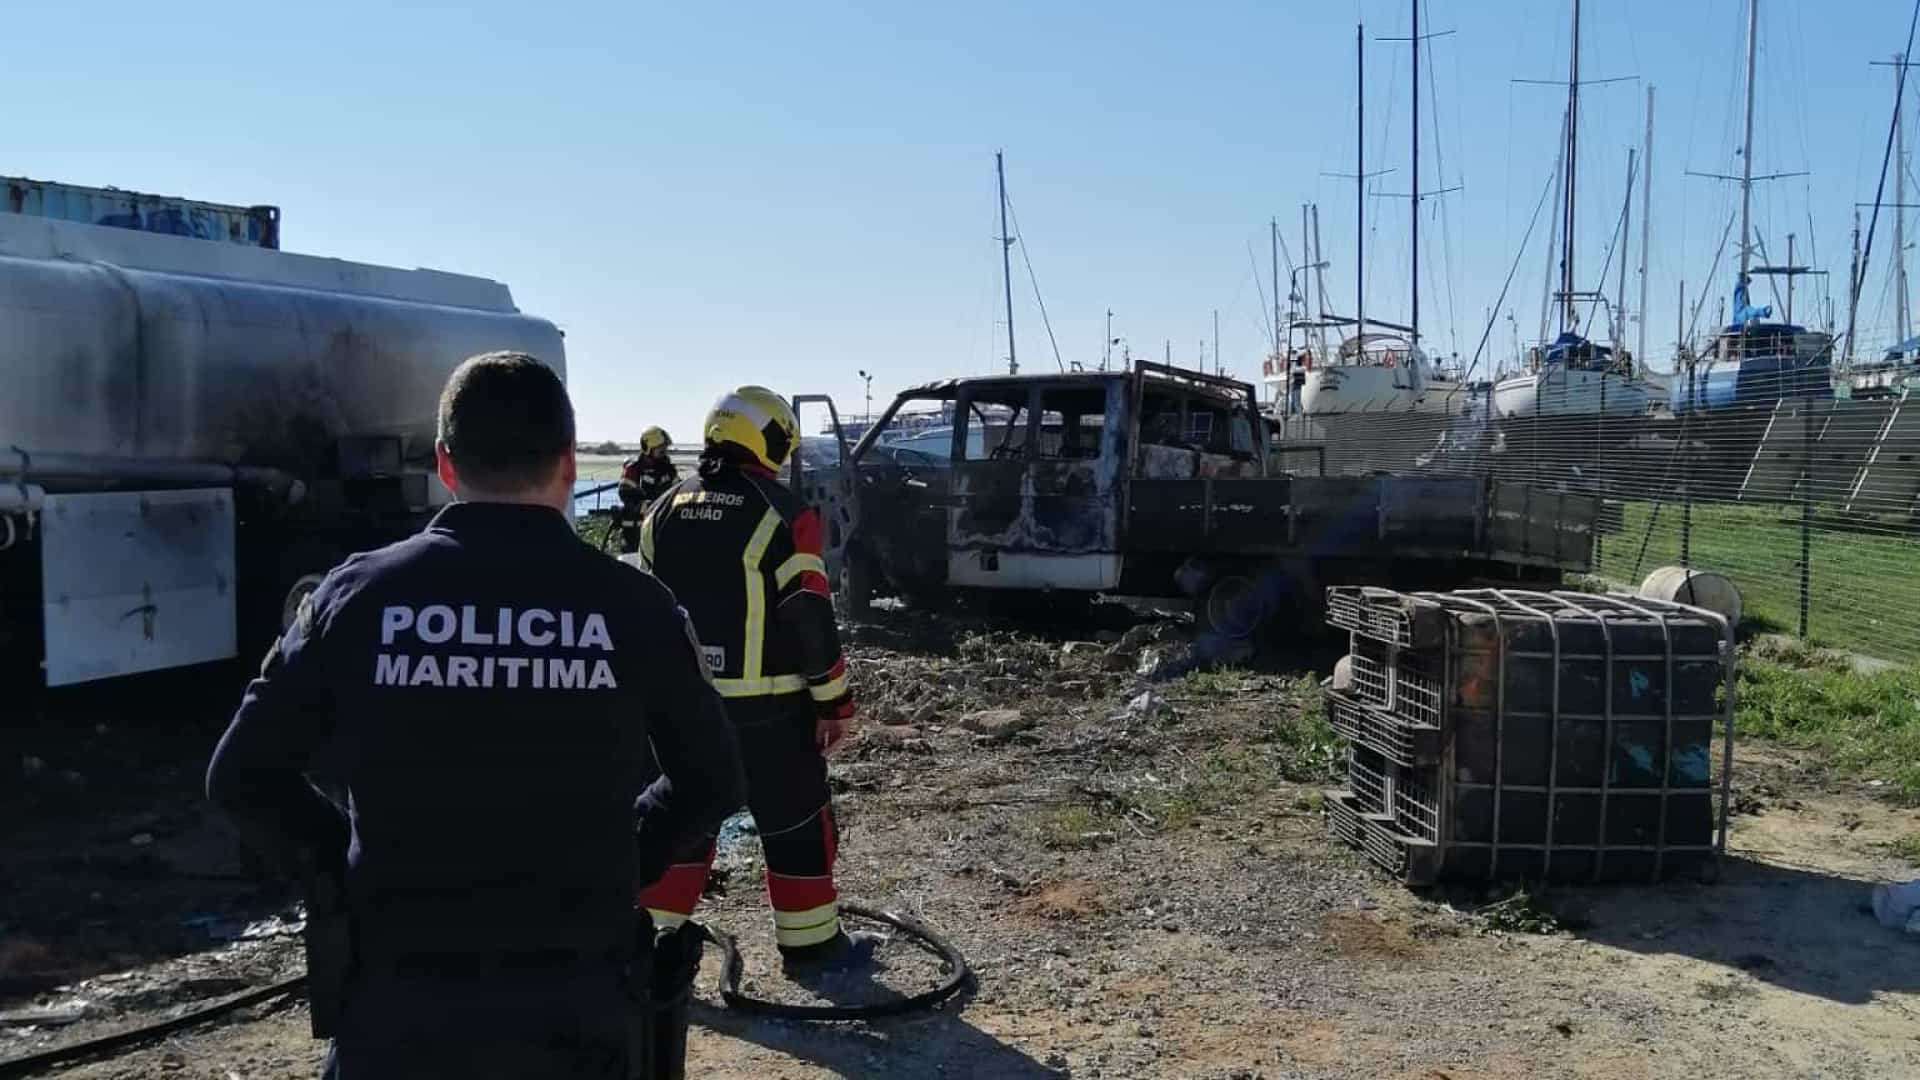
{"type": "Point", "coordinates": [297, 595]}
{"type": "Point", "coordinates": [270, 597]}
{"type": "Point", "coordinates": [1216, 610]}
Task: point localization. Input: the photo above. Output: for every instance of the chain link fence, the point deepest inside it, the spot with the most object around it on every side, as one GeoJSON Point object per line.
{"type": "Point", "coordinates": [1807, 503]}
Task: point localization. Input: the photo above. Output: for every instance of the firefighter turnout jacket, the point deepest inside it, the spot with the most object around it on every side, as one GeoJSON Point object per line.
{"type": "Point", "coordinates": [642, 480]}
{"type": "Point", "coordinates": [743, 554]}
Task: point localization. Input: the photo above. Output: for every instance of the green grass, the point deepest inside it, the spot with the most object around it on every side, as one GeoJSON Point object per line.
{"type": "Point", "coordinates": [1865, 725]}
{"type": "Point", "coordinates": [1224, 778]}
{"type": "Point", "coordinates": [1520, 913]}
{"type": "Point", "coordinates": [1070, 827]}
{"type": "Point", "coordinates": [1864, 580]}
{"type": "Point", "coordinates": [1308, 748]}
{"type": "Point", "coordinates": [594, 530]}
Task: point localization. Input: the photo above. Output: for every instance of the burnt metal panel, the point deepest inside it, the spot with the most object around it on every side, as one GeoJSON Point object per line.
{"type": "Point", "coordinates": [987, 497]}
{"type": "Point", "coordinates": [1528, 523]}
{"type": "Point", "coordinates": [1069, 511]}
{"type": "Point", "coordinates": [1238, 516]}
{"type": "Point", "coordinates": [1335, 515]}
{"type": "Point", "coordinates": [1430, 512]}
{"type": "Point", "coordinates": [1249, 514]}
{"type": "Point", "coordinates": [1166, 515]}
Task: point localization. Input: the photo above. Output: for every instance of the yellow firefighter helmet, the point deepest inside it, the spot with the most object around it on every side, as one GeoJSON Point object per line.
{"type": "Point", "coordinates": [756, 420]}
{"type": "Point", "coordinates": [654, 439]}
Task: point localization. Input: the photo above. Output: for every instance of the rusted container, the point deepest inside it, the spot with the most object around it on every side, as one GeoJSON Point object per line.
{"type": "Point", "coordinates": [249, 226]}
{"type": "Point", "coordinates": [1512, 734]}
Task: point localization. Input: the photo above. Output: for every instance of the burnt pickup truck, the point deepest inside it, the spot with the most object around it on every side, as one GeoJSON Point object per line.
{"type": "Point", "coordinates": [1158, 481]}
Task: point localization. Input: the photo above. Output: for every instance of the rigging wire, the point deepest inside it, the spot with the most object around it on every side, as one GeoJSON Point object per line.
{"type": "Point", "coordinates": [1614, 244]}
{"type": "Point", "coordinates": [1373, 192]}
{"type": "Point", "coordinates": [1028, 263]}
{"type": "Point", "coordinates": [1880, 191]}
{"type": "Point", "coordinates": [1552, 183]}
{"type": "Point", "coordinates": [989, 278]}
{"type": "Point", "coordinates": [1266, 331]}
{"type": "Point", "coordinates": [1440, 179]}
{"type": "Point", "coordinates": [1693, 324]}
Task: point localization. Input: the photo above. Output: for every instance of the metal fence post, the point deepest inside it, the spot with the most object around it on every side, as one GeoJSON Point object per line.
{"type": "Point", "coordinates": [1806, 515]}
{"type": "Point", "coordinates": [1686, 526]}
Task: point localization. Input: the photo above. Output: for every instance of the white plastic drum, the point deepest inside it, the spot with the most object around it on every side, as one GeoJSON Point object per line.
{"type": "Point", "coordinates": [1695, 588]}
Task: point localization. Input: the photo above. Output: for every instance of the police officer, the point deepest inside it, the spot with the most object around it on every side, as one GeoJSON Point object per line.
{"type": "Point", "coordinates": [642, 480]}
{"type": "Point", "coordinates": [488, 690]}
{"type": "Point", "coordinates": [770, 639]}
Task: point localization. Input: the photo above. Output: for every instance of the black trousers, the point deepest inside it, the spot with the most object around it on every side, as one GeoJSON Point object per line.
{"type": "Point", "coordinates": [572, 1022]}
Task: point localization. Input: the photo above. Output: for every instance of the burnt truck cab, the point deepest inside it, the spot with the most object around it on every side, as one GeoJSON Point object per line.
{"type": "Point", "coordinates": [1156, 481]}
{"type": "Point", "coordinates": [1023, 485]}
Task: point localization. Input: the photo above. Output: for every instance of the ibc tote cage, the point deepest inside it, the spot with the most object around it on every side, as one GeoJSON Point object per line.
{"type": "Point", "coordinates": [1502, 733]}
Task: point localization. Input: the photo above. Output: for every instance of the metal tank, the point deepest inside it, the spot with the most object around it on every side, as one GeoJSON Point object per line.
{"type": "Point", "coordinates": [192, 431]}
{"type": "Point", "coordinates": [102, 356]}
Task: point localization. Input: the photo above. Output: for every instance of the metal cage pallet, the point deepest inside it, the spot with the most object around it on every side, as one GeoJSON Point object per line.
{"type": "Point", "coordinates": [1374, 836]}
{"type": "Point", "coordinates": [1390, 736]}
{"type": "Point", "coordinates": [1378, 614]}
{"type": "Point", "coordinates": [1545, 735]}
{"type": "Point", "coordinates": [1396, 679]}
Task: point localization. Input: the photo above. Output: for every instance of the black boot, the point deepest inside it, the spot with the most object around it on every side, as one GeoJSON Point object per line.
{"type": "Point", "coordinates": [843, 952]}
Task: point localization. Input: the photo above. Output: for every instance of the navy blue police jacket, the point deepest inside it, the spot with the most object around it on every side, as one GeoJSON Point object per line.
{"type": "Point", "coordinates": [494, 694]}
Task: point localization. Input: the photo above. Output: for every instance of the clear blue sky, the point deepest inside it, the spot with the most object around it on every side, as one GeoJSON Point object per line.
{"type": "Point", "coordinates": [786, 193]}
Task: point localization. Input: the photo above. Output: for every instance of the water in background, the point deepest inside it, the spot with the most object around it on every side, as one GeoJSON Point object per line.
{"type": "Point", "coordinates": [602, 500]}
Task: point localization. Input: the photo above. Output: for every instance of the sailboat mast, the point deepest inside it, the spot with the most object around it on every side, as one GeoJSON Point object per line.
{"type": "Point", "coordinates": [1568, 316]}
{"type": "Point", "coordinates": [1006, 259]}
{"type": "Point", "coordinates": [1273, 229]}
{"type": "Point", "coordinates": [1360, 179]}
{"type": "Point", "coordinates": [1620, 292]}
{"type": "Point", "coordinates": [1414, 265]}
{"type": "Point", "coordinates": [1746, 145]}
{"type": "Point", "coordinates": [1319, 285]}
{"type": "Point", "coordinates": [1646, 226]}
{"type": "Point", "coordinates": [1790, 276]}
{"type": "Point", "coordinates": [1308, 256]}
{"type": "Point", "coordinates": [1853, 294]}
{"type": "Point", "coordinates": [1901, 320]}
{"type": "Point", "coordinates": [1549, 306]}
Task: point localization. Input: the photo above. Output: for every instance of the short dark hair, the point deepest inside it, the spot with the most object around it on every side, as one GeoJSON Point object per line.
{"type": "Point", "coordinates": [506, 422]}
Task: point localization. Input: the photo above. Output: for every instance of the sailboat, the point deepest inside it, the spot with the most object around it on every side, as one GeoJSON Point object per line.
{"type": "Point", "coordinates": [1754, 359]}
{"type": "Point", "coordinates": [1380, 366]}
{"type": "Point", "coordinates": [1570, 375]}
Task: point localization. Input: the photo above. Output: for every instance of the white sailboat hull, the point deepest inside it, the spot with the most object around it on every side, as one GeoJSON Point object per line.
{"type": "Point", "coordinates": [1560, 391]}
{"type": "Point", "coordinates": [1352, 388]}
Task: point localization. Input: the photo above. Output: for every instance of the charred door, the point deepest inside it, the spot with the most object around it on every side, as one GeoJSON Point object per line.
{"type": "Point", "coordinates": [1034, 485]}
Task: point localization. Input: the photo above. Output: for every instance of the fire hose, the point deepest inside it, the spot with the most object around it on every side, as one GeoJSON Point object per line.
{"type": "Point", "coordinates": [954, 968]}
{"type": "Point", "coordinates": [957, 974]}
{"type": "Point", "coordinates": [105, 1045]}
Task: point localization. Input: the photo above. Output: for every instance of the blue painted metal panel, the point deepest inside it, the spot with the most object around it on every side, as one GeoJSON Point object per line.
{"type": "Point", "coordinates": [250, 226]}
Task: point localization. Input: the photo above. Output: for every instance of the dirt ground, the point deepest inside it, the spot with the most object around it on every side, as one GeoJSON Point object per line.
{"type": "Point", "coordinates": [1143, 885]}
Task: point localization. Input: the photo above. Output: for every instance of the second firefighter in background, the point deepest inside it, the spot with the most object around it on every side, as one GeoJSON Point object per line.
{"type": "Point", "coordinates": [742, 553]}
{"type": "Point", "coordinates": [642, 480]}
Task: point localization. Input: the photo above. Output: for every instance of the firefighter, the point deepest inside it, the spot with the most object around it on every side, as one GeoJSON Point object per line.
{"type": "Point", "coordinates": [769, 637]}
{"type": "Point", "coordinates": [642, 480]}
{"type": "Point", "coordinates": [495, 694]}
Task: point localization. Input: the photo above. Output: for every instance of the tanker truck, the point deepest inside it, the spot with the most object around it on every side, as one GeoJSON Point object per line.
{"type": "Point", "coordinates": [195, 424]}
